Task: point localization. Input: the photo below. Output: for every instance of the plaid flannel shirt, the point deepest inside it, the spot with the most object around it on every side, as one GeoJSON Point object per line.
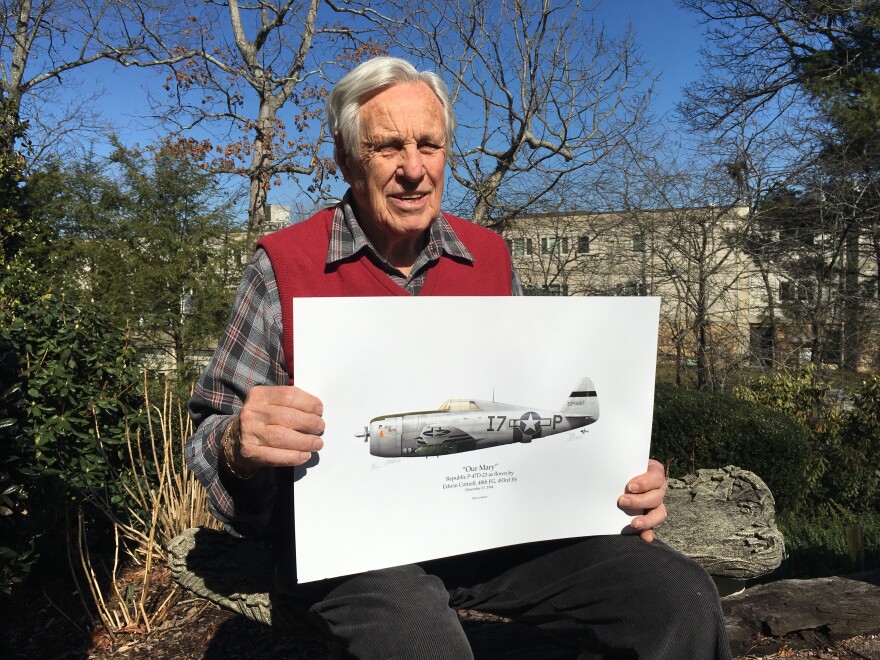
{"type": "Point", "coordinates": [250, 353]}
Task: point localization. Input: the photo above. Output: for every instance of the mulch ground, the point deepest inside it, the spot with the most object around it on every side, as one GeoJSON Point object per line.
{"type": "Point", "coordinates": [50, 623]}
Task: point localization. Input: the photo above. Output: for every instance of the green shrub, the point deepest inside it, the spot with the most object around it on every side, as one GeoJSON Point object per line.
{"type": "Point", "coordinates": [816, 544]}
{"type": "Point", "coordinates": [800, 394]}
{"type": "Point", "coordinates": [73, 387]}
{"type": "Point", "coordinates": [845, 475]}
{"type": "Point", "coordinates": [853, 454]}
{"type": "Point", "coordinates": [695, 429]}
{"type": "Point", "coordinates": [17, 534]}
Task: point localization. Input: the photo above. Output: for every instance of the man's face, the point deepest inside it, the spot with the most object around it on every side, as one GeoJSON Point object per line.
{"type": "Point", "coordinates": [398, 181]}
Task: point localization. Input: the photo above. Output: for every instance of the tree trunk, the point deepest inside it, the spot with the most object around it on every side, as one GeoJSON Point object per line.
{"type": "Point", "coordinates": [260, 168]}
{"type": "Point", "coordinates": [852, 301]}
{"type": "Point", "coordinates": [771, 313]}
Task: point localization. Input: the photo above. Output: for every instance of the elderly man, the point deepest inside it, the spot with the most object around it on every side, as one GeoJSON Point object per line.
{"type": "Point", "coordinates": [623, 595]}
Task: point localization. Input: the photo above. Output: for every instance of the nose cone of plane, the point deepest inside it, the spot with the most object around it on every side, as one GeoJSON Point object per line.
{"type": "Point", "coordinates": [385, 438]}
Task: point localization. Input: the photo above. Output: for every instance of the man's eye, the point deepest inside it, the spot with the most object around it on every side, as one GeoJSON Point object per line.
{"type": "Point", "coordinates": [429, 149]}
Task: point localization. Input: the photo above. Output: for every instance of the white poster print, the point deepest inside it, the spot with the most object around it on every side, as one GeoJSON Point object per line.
{"type": "Point", "coordinates": [460, 424]}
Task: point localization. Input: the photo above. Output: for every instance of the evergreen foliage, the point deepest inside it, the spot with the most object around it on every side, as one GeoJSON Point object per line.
{"type": "Point", "coordinates": [80, 390]}
{"type": "Point", "coordinates": [816, 544]}
{"type": "Point", "coordinates": [697, 429]}
{"type": "Point", "coordinates": [843, 74]}
{"type": "Point", "coordinates": [144, 238]}
{"type": "Point", "coordinates": [70, 387]}
{"type": "Point", "coordinates": [815, 449]}
{"type": "Point", "coordinates": [17, 533]}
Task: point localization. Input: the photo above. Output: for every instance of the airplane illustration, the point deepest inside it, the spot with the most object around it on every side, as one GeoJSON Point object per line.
{"type": "Point", "coordinates": [460, 425]}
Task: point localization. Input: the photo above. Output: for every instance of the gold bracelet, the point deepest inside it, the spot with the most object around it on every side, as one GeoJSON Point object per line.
{"type": "Point", "coordinates": [233, 429]}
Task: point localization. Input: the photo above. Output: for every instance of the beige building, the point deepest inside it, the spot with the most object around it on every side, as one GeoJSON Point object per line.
{"type": "Point", "coordinates": [719, 310]}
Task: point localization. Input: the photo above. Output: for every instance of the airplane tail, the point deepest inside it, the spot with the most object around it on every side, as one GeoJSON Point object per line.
{"type": "Point", "coordinates": [582, 402]}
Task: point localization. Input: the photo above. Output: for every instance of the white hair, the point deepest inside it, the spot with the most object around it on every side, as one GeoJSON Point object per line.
{"type": "Point", "coordinates": [369, 78]}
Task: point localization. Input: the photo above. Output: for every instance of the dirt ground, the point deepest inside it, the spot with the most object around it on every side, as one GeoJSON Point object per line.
{"type": "Point", "coordinates": [44, 625]}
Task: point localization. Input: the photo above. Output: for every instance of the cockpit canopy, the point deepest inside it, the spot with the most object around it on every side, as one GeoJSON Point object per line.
{"type": "Point", "coordinates": [458, 404]}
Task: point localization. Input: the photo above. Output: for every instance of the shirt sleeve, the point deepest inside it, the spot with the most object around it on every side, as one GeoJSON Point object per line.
{"type": "Point", "coordinates": [250, 353]}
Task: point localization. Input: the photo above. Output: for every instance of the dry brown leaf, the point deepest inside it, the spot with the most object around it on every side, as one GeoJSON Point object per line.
{"type": "Point", "coordinates": [133, 628]}
{"type": "Point", "coordinates": [101, 639]}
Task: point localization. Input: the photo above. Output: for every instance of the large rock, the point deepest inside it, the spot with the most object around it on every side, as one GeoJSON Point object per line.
{"type": "Point", "coordinates": [724, 519]}
{"type": "Point", "coordinates": [835, 607]}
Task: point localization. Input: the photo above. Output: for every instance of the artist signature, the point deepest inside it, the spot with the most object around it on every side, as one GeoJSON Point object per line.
{"type": "Point", "coordinates": [390, 461]}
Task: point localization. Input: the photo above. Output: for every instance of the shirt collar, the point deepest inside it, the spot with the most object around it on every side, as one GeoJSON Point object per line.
{"type": "Point", "coordinates": [347, 238]}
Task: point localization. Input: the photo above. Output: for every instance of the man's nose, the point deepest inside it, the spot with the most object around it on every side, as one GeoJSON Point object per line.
{"type": "Point", "coordinates": [412, 164]}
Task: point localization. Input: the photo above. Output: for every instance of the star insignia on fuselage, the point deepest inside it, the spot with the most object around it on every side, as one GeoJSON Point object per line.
{"type": "Point", "coordinates": [530, 423]}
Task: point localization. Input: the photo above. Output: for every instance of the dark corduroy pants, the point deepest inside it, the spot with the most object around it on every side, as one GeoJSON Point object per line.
{"type": "Point", "coordinates": [613, 595]}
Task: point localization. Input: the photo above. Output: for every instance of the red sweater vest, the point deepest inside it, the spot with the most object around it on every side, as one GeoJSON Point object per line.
{"type": "Point", "coordinates": [299, 259]}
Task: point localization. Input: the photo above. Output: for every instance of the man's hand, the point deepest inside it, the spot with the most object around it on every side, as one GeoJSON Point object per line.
{"type": "Point", "coordinates": [278, 425]}
{"type": "Point", "coordinates": [643, 498]}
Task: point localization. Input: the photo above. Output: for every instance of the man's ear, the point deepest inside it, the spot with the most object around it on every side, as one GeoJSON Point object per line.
{"type": "Point", "coordinates": [341, 156]}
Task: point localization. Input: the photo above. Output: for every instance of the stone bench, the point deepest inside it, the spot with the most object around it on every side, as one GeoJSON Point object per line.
{"type": "Point", "coordinates": [724, 519]}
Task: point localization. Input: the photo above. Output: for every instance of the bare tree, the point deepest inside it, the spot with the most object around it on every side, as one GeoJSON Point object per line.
{"type": "Point", "coordinates": [247, 62]}
{"type": "Point", "coordinates": [689, 222]}
{"type": "Point", "coordinates": [42, 41]}
{"type": "Point", "coordinates": [693, 254]}
{"type": "Point", "coordinates": [752, 60]}
{"type": "Point", "coordinates": [541, 93]}
{"type": "Point", "coordinates": [800, 75]}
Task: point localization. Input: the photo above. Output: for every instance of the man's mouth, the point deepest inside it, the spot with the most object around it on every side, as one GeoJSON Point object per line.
{"type": "Point", "coordinates": [410, 197]}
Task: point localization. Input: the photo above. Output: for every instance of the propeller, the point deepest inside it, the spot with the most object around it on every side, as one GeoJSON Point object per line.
{"type": "Point", "coordinates": [365, 435]}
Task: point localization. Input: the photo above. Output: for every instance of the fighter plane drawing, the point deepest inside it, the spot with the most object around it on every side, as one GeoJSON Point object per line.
{"type": "Point", "coordinates": [460, 425]}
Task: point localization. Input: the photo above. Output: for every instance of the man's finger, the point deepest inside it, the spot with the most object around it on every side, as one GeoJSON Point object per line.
{"type": "Point", "coordinates": [650, 519]}
{"type": "Point", "coordinates": [652, 479]}
{"type": "Point", "coordinates": [254, 418]}
{"type": "Point", "coordinates": [286, 396]}
{"type": "Point", "coordinates": [277, 438]}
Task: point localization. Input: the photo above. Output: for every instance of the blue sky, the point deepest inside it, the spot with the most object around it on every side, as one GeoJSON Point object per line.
{"type": "Point", "coordinates": [668, 39]}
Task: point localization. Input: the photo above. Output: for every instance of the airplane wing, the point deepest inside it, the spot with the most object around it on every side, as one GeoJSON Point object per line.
{"type": "Point", "coordinates": [435, 435]}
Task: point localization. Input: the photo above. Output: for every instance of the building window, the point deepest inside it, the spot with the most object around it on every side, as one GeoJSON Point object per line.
{"type": "Point", "coordinates": [519, 247]}
{"type": "Point", "coordinates": [786, 291]}
{"type": "Point", "coordinates": [831, 346]}
{"type": "Point", "coordinates": [186, 302]}
{"type": "Point", "coordinates": [638, 242]}
{"type": "Point", "coordinates": [761, 344]}
{"type": "Point", "coordinates": [556, 290]}
{"type": "Point", "coordinates": [805, 291]}
{"type": "Point", "coordinates": [583, 244]}
{"type": "Point", "coordinates": [546, 290]}
{"type": "Point", "coordinates": [554, 245]}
